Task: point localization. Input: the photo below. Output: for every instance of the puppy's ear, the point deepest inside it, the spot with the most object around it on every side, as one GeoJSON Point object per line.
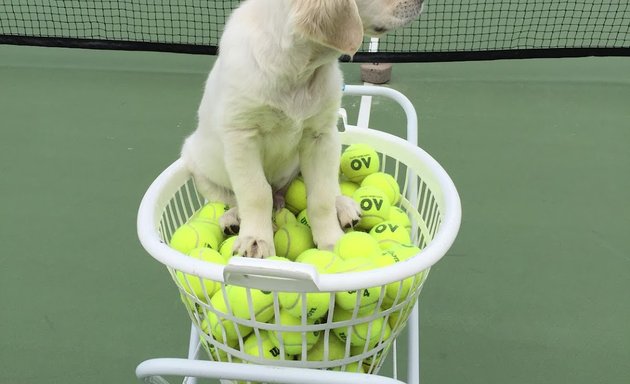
{"type": "Point", "coordinates": [334, 23]}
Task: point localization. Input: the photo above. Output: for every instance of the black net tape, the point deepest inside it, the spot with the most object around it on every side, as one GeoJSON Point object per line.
{"type": "Point", "coordinates": [447, 30]}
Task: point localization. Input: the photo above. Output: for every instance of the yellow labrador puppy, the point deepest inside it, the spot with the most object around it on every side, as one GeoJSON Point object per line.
{"type": "Point", "coordinates": [269, 111]}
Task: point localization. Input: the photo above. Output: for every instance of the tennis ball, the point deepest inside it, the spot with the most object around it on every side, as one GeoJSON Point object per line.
{"type": "Point", "coordinates": [321, 259]}
{"type": "Point", "coordinates": [227, 247]}
{"type": "Point", "coordinates": [389, 234]}
{"type": "Point", "coordinates": [283, 217]}
{"type": "Point", "coordinates": [405, 251]}
{"type": "Point", "coordinates": [365, 298]}
{"type": "Point", "coordinates": [356, 244]}
{"type": "Point", "coordinates": [393, 320]}
{"type": "Point", "coordinates": [217, 354]}
{"type": "Point", "coordinates": [336, 349]}
{"type": "Point", "coordinates": [295, 197]}
{"type": "Point", "coordinates": [213, 225]}
{"type": "Point", "coordinates": [396, 291]}
{"type": "Point", "coordinates": [358, 161]}
{"type": "Point", "coordinates": [293, 341]}
{"type": "Point", "coordinates": [217, 326]}
{"type": "Point", "coordinates": [317, 303]}
{"type": "Point", "coordinates": [278, 258]}
{"type": "Point", "coordinates": [367, 361]}
{"type": "Point", "coordinates": [352, 367]}
{"type": "Point", "coordinates": [302, 218]}
{"type": "Point", "coordinates": [196, 285]}
{"type": "Point", "coordinates": [398, 216]}
{"type": "Point", "coordinates": [374, 206]}
{"type": "Point", "coordinates": [293, 239]}
{"type": "Point", "coordinates": [254, 345]}
{"type": "Point", "coordinates": [195, 234]}
{"type": "Point", "coordinates": [359, 336]}
{"type": "Point", "coordinates": [386, 183]}
{"type": "Point", "coordinates": [348, 187]}
{"type": "Point", "coordinates": [212, 211]}
{"type": "Point", "coordinates": [237, 297]}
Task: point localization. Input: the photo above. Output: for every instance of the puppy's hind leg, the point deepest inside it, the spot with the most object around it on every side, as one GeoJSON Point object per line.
{"type": "Point", "coordinates": [230, 220]}
{"type": "Point", "coordinates": [211, 191]}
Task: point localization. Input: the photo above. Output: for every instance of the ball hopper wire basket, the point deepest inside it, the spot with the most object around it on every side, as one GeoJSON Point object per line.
{"type": "Point", "coordinates": [429, 198]}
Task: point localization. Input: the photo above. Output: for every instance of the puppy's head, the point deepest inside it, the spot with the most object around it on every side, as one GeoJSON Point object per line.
{"type": "Point", "coordinates": [382, 16]}
{"type": "Point", "coordinates": [341, 24]}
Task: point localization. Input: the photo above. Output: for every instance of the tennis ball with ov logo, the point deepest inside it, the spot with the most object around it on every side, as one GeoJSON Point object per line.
{"type": "Point", "coordinates": [389, 234]}
{"type": "Point", "coordinates": [374, 206]}
{"type": "Point", "coordinates": [359, 161]}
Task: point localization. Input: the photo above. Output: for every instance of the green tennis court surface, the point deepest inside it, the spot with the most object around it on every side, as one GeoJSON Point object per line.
{"type": "Point", "coordinates": [533, 291]}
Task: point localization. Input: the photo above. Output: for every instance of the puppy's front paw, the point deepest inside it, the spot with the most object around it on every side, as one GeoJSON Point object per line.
{"type": "Point", "coordinates": [249, 246]}
{"type": "Point", "coordinates": [348, 212]}
{"type": "Point", "coordinates": [230, 222]}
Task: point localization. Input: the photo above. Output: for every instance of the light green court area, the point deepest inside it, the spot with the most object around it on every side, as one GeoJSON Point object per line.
{"type": "Point", "coordinates": [533, 291]}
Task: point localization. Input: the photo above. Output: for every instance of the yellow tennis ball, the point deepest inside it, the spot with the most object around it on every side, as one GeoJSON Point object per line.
{"type": "Point", "coordinates": [405, 251]}
{"type": "Point", "coordinates": [212, 211]}
{"type": "Point", "coordinates": [378, 330]}
{"type": "Point", "coordinates": [278, 258]}
{"type": "Point", "coordinates": [262, 346]}
{"type": "Point", "coordinates": [374, 206]}
{"type": "Point", "coordinates": [367, 361]}
{"type": "Point", "coordinates": [213, 225]}
{"type": "Point", "coordinates": [196, 285]}
{"type": "Point", "coordinates": [302, 218]}
{"type": "Point", "coordinates": [226, 249]}
{"type": "Point", "coordinates": [293, 239]}
{"type": "Point", "coordinates": [352, 367]}
{"type": "Point", "coordinates": [295, 196]}
{"type": "Point", "coordinates": [336, 349]}
{"type": "Point", "coordinates": [356, 244]}
{"type": "Point", "coordinates": [317, 303]}
{"type": "Point", "coordinates": [394, 318]}
{"type": "Point", "coordinates": [283, 217]}
{"type": "Point", "coordinates": [194, 234]}
{"type": "Point", "coordinates": [347, 187]}
{"type": "Point", "coordinates": [397, 291]}
{"type": "Point", "coordinates": [217, 354]}
{"type": "Point", "coordinates": [222, 329]}
{"type": "Point", "coordinates": [321, 259]}
{"type": "Point", "coordinates": [390, 234]}
{"type": "Point", "coordinates": [397, 215]}
{"type": "Point", "coordinates": [365, 298]}
{"type": "Point", "coordinates": [358, 161]}
{"type": "Point", "coordinates": [293, 341]}
{"type": "Point", "coordinates": [237, 298]}
{"type": "Point", "coordinates": [386, 183]}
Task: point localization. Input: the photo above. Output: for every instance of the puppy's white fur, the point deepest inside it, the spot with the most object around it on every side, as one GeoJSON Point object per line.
{"type": "Point", "coordinates": [269, 111]}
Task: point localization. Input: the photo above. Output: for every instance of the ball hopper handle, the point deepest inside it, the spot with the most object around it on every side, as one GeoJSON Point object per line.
{"type": "Point", "coordinates": [271, 275]}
